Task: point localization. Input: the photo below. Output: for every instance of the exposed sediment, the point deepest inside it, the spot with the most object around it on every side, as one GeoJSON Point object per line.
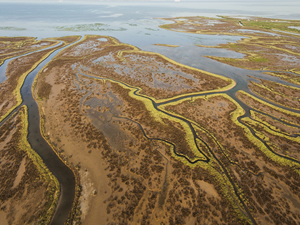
{"type": "Point", "coordinates": [153, 141]}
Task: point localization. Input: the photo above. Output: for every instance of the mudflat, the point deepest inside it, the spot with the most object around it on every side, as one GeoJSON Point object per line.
{"type": "Point", "coordinates": [153, 141]}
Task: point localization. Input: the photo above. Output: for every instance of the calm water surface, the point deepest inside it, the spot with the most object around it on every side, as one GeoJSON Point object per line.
{"type": "Point", "coordinates": [136, 24]}
{"type": "Point", "coordinates": [131, 23]}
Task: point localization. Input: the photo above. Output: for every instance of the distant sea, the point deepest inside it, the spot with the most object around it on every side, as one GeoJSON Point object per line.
{"type": "Point", "coordinates": [39, 16]}
{"type": "Point", "coordinates": [132, 22]}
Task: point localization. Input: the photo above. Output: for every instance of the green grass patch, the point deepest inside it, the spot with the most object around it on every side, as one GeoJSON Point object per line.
{"type": "Point", "coordinates": [13, 28]}
{"type": "Point", "coordinates": [258, 59]}
{"type": "Point", "coordinates": [270, 24]}
{"type": "Point", "coordinates": [165, 26]}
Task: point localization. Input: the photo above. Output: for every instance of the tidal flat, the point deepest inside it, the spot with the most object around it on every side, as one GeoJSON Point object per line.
{"type": "Point", "coordinates": [150, 140]}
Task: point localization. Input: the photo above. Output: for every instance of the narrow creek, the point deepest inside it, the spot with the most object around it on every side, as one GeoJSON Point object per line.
{"type": "Point", "coordinates": [65, 175]}
{"type": "Point", "coordinates": [246, 108]}
{"type": "Point", "coordinates": [3, 67]}
{"type": "Point", "coordinates": [245, 209]}
{"type": "Point", "coordinates": [59, 169]}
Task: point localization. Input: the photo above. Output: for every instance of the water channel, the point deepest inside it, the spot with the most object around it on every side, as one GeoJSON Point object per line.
{"type": "Point", "coordinates": [146, 34]}
{"type": "Point", "coordinates": [63, 173]}
{"type": "Point", "coordinates": [60, 170]}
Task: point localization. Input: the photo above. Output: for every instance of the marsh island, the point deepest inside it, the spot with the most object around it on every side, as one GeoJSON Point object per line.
{"type": "Point", "coordinates": [146, 139]}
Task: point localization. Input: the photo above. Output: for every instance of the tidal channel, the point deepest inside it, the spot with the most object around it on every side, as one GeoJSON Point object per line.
{"type": "Point", "coordinates": [59, 169]}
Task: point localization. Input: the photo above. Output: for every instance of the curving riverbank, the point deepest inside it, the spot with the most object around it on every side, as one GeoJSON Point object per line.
{"type": "Point", "coordinates": [58, 168]}
{"type": "Point", "coordinates": [150, 134]}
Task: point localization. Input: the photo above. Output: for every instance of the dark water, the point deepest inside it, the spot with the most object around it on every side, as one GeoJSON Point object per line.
{"type": "Point", "coordinates": [63, 173]}
{"type": "Point", "coordinates": [3, 67]}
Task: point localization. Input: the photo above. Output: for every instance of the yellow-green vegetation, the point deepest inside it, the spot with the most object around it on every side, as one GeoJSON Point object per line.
{"type": "Point", "coordinates": [231, 154]}
{"type": "Point", "coordinates": [295, 79]}
{"type": "Point", "coordinates": [264, 89]}
{"type": "Point", "coordinates": [265, 23]}
{"type": "Point", "coordinates": [220, 177]}
{"type": "Point", "coordinates": [159, 116]}
{"type": "Point", "coordinates": [207, 46]}
{"type": "Point", "coordinates": [272, 129]}
{"type": "Point", "coordinates": [167, 45]}
{"type": "Point", "coordinates": [45, 174]}
{"type": "Point", "coordinates": [17, 90]}
{"type": "Point", "coordinates": [12, 28]}
{"type": "Point", "coordinates": [278, 157]}
{"type": "Point", "coordinates": [282, 159]}
{"type": "Point", "coordinates": [287, 112]}
{"type": "Point", "coordinates": [262, 49]}
{"type": "Point", "coordinates": [231, 82]}
{"type": "Point", "coordinates": [165, 26]}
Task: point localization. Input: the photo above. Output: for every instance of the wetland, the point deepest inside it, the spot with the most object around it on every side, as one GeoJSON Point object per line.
{"type": "Point", "coordinates": [183, 130]}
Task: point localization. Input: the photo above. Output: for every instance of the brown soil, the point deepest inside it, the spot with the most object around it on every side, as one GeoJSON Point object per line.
{"type": "Point", "coordinates": [127, 177]}
{"type": "Point", "coordinates": [275, 92]}
{"type": "Point", "coordinates": [292, 78]}
{"type": "Point", "coordinates": [262, 49]}
{"type": "Point", "coordinates": [249, 167]}
{"type": "Point", "coordinates": [280, 126]}
{"type": "Point", "coordinates": [156, 76]}
{"type": "Point", "coordinates": [205, 25]}
{"type": "Point", "coordinates": [15, 70]}
{"type": "Point", "coordinates": [294, 119]}
{"type": "Point", "coordinates": [25, 196]}
{"type": "Point", "coordinates": [124, 152]}
{"type": "Point", "coordinates": [14, 46]}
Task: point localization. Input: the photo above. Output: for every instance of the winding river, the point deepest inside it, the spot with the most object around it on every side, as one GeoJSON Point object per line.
{"type": "Point", "coordinates": [60, 170]}
{"type": "Point", "coordinates": [242, 79]}
{"type": "Point", "coordinates": [66, 176]}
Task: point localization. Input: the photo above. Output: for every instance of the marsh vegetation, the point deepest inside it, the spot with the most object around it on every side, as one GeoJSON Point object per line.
{"type": "Point", "coordinates": [153, 141]}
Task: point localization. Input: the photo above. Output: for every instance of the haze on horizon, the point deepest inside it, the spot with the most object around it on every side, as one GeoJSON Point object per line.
{"type": "Point", "coordinates": [37, 1]}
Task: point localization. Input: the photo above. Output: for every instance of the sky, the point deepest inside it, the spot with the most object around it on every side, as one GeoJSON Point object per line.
{"type": "Point", "coordinates": [134, 0]}
{"type": "Point", "coordinates": [99, 1]}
